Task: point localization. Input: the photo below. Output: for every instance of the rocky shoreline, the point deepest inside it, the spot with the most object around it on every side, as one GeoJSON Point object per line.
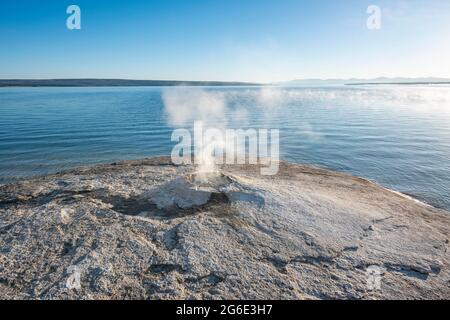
{"type": "Point", "coordinates": [147, 229]}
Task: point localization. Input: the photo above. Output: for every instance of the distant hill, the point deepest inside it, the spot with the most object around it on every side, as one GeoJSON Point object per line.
{"type": "Point", "coordinates": [111, 83]}
{"type": "Point", "coordinates": [354, 81]}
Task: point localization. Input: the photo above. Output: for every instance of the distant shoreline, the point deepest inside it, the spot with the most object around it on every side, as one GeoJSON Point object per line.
{"type": "Point", "coordinates": [113, 83]}
{"type": "Point", "coordinates": [395, 83]}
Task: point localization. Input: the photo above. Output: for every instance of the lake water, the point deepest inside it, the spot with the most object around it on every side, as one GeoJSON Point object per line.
{"type": "Point", "coordinates": [397, 136]}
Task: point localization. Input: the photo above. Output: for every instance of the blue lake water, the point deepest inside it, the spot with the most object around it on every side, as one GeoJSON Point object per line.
{"type": "Point", "coordinates": [397, 136]}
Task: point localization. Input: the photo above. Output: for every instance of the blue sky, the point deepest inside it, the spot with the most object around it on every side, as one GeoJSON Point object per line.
{"type": "Point", "coordinates": [245, 40]}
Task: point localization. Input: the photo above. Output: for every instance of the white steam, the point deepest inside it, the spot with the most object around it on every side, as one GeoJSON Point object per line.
{"type": "Point", "coordinates": [208, 110]}
{"type": "Point", "coordinates": [219, 109]}
{"type": "Point", "coordinates": [186, 105]}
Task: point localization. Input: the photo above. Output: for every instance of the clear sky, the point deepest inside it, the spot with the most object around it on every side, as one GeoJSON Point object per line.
{"type": "Point", "coordinates": [231, 40]}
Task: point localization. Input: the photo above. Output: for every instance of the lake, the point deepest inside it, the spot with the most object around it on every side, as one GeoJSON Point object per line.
{"type": "Point", "coordinates": [397, 136]}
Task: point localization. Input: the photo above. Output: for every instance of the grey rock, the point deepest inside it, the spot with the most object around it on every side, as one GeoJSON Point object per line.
{"type": "Point", "coordinates": [150, 230]}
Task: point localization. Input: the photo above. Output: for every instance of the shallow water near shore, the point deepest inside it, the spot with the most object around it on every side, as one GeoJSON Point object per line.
{"type": "Point", "coordinates": [397, 136]}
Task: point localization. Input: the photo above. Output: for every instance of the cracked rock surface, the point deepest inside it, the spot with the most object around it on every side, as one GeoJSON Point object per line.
{"type": "Point", "coordinates": [149, 230]}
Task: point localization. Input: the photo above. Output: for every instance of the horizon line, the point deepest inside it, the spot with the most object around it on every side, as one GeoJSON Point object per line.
{"type": "Point", "coordinates": [103, 82]}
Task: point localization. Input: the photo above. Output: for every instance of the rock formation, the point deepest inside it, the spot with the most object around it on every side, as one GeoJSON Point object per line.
{"type": "Point", "coordinates": [150, 230]}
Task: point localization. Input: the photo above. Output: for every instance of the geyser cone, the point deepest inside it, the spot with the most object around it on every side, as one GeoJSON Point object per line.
{"type": "Point", "coordinates": [192, 190]}
{"type": "Point", "coordinates": [212, 181]}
